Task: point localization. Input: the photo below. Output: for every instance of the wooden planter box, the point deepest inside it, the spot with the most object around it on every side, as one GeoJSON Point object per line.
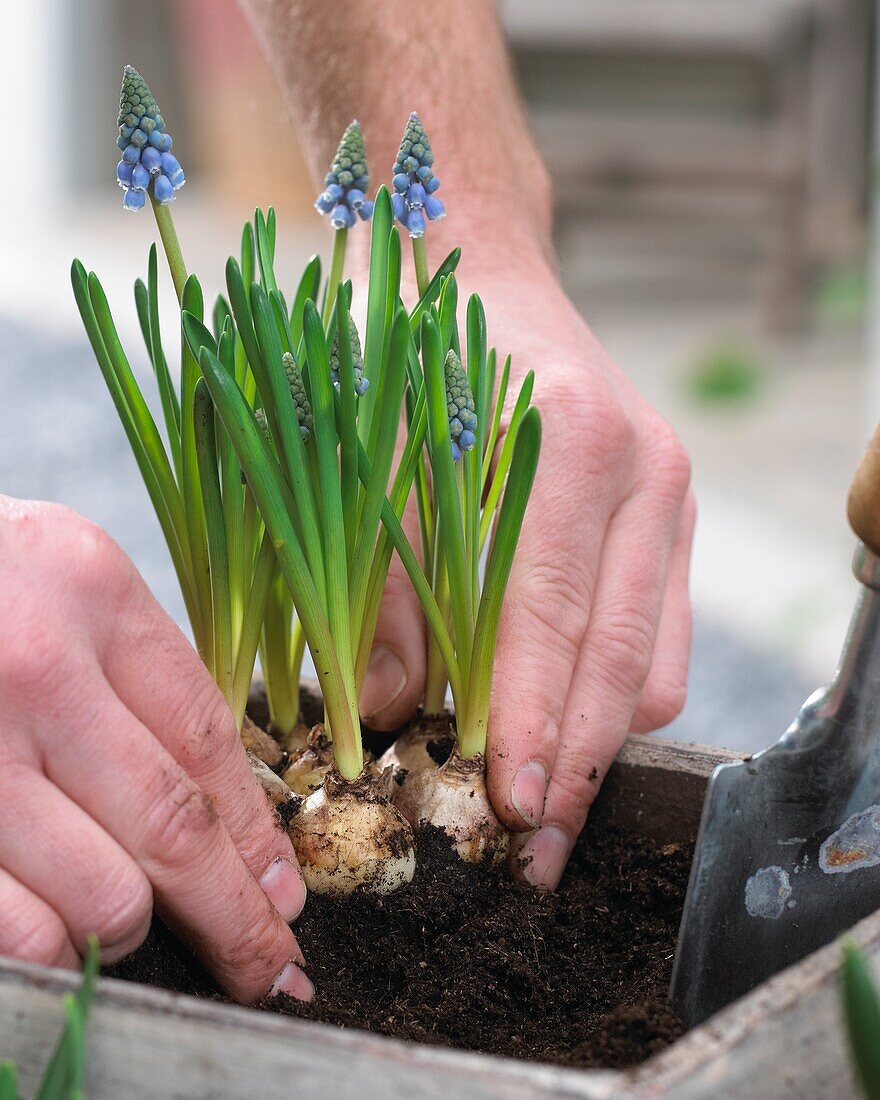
{"type": "Point", "coordinates": [784, 1039]}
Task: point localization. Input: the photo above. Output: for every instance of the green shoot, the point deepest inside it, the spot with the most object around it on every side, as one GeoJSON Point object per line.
{"type": "Point", "coordinates": [862, 1012]}
{"type": "Point", "coordinates": [225, 565]}
{"type": "Point", "coordinates": [466, 502]}
{"type": "Point", "coordinates": [65, 1072]}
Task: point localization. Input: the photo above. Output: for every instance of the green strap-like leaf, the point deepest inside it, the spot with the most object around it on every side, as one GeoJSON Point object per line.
{"type": "Point", "coordinates": [275, 503]}
{"type": "Point", "coordinates": [495, 427]}
{"type": "Point", "coordinates": [167, 393]}
{"type": "Point", "coordinates": [503, 465]}
{"type": "Point", "coordinates": [215, 531]}
{"type": "Point", "coordinates": [348, 434]}
{"type": "Point", "coordinates": [472, 461]}
{"type": "Point", "coordinates": [266, 250]}
{"type": "Point", "coordinates": [447, 310]}
{"type": "Point", "coordinates": [432, 291]}
{"type": "Point", "coordinates": [254, 614]}
{"type": "Point", "coordinates": [472, 732]}
{"type": "Point", "coordinates": [446, 493]}
{"type": "Point", "coordinates": [274, 391]}
{"type": "Point", "coordinates": [240, 554]}
{"type": "Point", "coordinates": [378, 313]}
{"type": "Point", "coordinates": [248, 254]}
{"type": "Point", "coordinates": [66, 1066]}
{"type": "Point", "coordinates": [308, 287]}
{"type": "Point", "coordinates": [8, 1081]}
{"type": "Point", "coordinates": [347, 748]}
{"type": "Point", "coordinates": [391, 386]}
{"type": "Point", "coordinates": [157, 477]}
{"type": "Point", "coordinates": [862, 1010]}
{"type": "Point", "coordinates": [193, 303]}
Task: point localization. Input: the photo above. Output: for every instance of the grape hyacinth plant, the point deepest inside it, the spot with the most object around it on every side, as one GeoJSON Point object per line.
{"type": "Point", "coordinates": [463, 444]}
{"type": "Point", "coordinates": [224, 561]}
{"type": "Point", "coordinates": [275, 486]}
{"type": "Point", "coordinates": [322, 499]}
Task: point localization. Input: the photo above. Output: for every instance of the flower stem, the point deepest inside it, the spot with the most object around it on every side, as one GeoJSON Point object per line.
{"type": "Point", "coordinates": [171, 244]}
{"type": "Point", "coordinates": [420, 260]}
{"type": "Point", "coordinates": [337, 264]}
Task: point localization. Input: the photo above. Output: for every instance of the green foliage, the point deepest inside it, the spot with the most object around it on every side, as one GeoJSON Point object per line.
{"type": "Point", "coordinates": [726, 375]}
{"type": "Point", "coordinates": [457, 516]}
{"type": "Point", "coordinates": [228, 575]}
{"type": "Point", "coordinates": [272, 479]}
{"type": "Point", "coordinates": [325, 499]}
{"type": "Point", "coordinates": [862, 1012]}
{"type": "Point", "coordinates": [65, 1073]}
{"type": "Point", "coordinates": [842, 297]}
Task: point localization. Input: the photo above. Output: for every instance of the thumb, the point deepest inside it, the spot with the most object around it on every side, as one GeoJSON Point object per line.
{"type": "Point", "coordinates": [395, 679]}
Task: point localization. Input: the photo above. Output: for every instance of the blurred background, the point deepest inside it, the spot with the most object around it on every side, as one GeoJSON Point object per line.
{"type": "Point", "coordinates": [711, 161]}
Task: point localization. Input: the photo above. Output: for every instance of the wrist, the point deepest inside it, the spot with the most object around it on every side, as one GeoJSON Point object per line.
{"type": "Point", "coordinates": [499, 248]}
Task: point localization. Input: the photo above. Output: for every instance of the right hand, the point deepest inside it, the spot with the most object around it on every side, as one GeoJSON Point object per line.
{"type": "Point", "coordinates": [123, 782]}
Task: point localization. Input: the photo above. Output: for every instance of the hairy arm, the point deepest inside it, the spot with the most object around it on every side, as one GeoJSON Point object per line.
{"type": "Point", "coordinates": [378, 61]}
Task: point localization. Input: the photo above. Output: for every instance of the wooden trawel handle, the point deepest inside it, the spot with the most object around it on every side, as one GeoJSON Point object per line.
{"type": "Point", "coordinates": [863, 506]}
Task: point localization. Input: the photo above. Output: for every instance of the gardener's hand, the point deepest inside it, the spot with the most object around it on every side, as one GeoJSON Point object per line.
{"type": "Point", "coordinates": [595, 633]}
{"type": "Point", "coordinates": [122, 779]}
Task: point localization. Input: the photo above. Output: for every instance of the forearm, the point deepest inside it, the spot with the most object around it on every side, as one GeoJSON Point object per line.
{"type": "Point", "coordinates": [377, 61]}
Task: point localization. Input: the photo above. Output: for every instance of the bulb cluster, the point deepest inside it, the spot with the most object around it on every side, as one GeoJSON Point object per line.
{"type": "Point", "coordinates": [414, 181]}
{"type": "Point", "coordinates": [361, 384]}
{"type": "Point", "coordinates": [345, 185]}
{"type": "Point", "coordinates": [147, 161]}
{"type": "Point", "coordinates": [460, 407]}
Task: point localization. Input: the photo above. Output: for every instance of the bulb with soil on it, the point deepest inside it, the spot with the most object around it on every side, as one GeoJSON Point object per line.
{"type": "Point", "coordinates": [452, 795]}
{"type": "Point", "coordinates": [262, 744]}
{"type": "Point", "coordinates": [423, 746]}
{"type": "Point", "coordinates": [309, 765]}
{"type": "Point", "coordinates": [293, 740]}
{"type": "Point", "coordinates": [347, 835]}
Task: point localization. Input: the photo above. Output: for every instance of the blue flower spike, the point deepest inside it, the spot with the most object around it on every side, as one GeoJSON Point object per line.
{"type": "Point", "coordinates": [460, 407]}
{"type": "Point", "coordinates": [361, 384]}
{"type": "Point", "coordinates": [147, 163]}
{"type": "Point", "coordinates": [414, 182]}
{"type": "Point", "coordinates": [344, 196]}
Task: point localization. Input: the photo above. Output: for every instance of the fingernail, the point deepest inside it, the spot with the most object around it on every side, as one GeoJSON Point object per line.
{"type": "Point", "coordinates": [543, 857]}
{"type": "Point", "coordinates": [294, 982]}
{"type": "Point", "coordinates": [283, 884]}
{"type": "Point", "coordinates": [527, 792]}
{"type": "Point", "coordinates": [384, 681]}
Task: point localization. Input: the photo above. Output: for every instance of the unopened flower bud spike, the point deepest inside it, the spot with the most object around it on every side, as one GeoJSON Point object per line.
{"type": "Point", "coordinates": [344, 200]}
{"type": "Point", "coordinates": [148, 167]}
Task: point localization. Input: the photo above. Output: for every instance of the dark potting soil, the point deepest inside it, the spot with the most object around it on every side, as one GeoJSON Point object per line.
{"type": "Point", "coordinates": [467, 958]}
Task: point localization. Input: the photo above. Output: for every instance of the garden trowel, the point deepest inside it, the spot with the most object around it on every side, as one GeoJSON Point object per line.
{"type": "Point", "coordinates": [788, 852]}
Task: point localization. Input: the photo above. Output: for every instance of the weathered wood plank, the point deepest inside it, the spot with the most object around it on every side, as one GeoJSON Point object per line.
{"type": "Point", "coordinates": [656, 788]}
{"type": "Point", "coordinates": [146, 1044]}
